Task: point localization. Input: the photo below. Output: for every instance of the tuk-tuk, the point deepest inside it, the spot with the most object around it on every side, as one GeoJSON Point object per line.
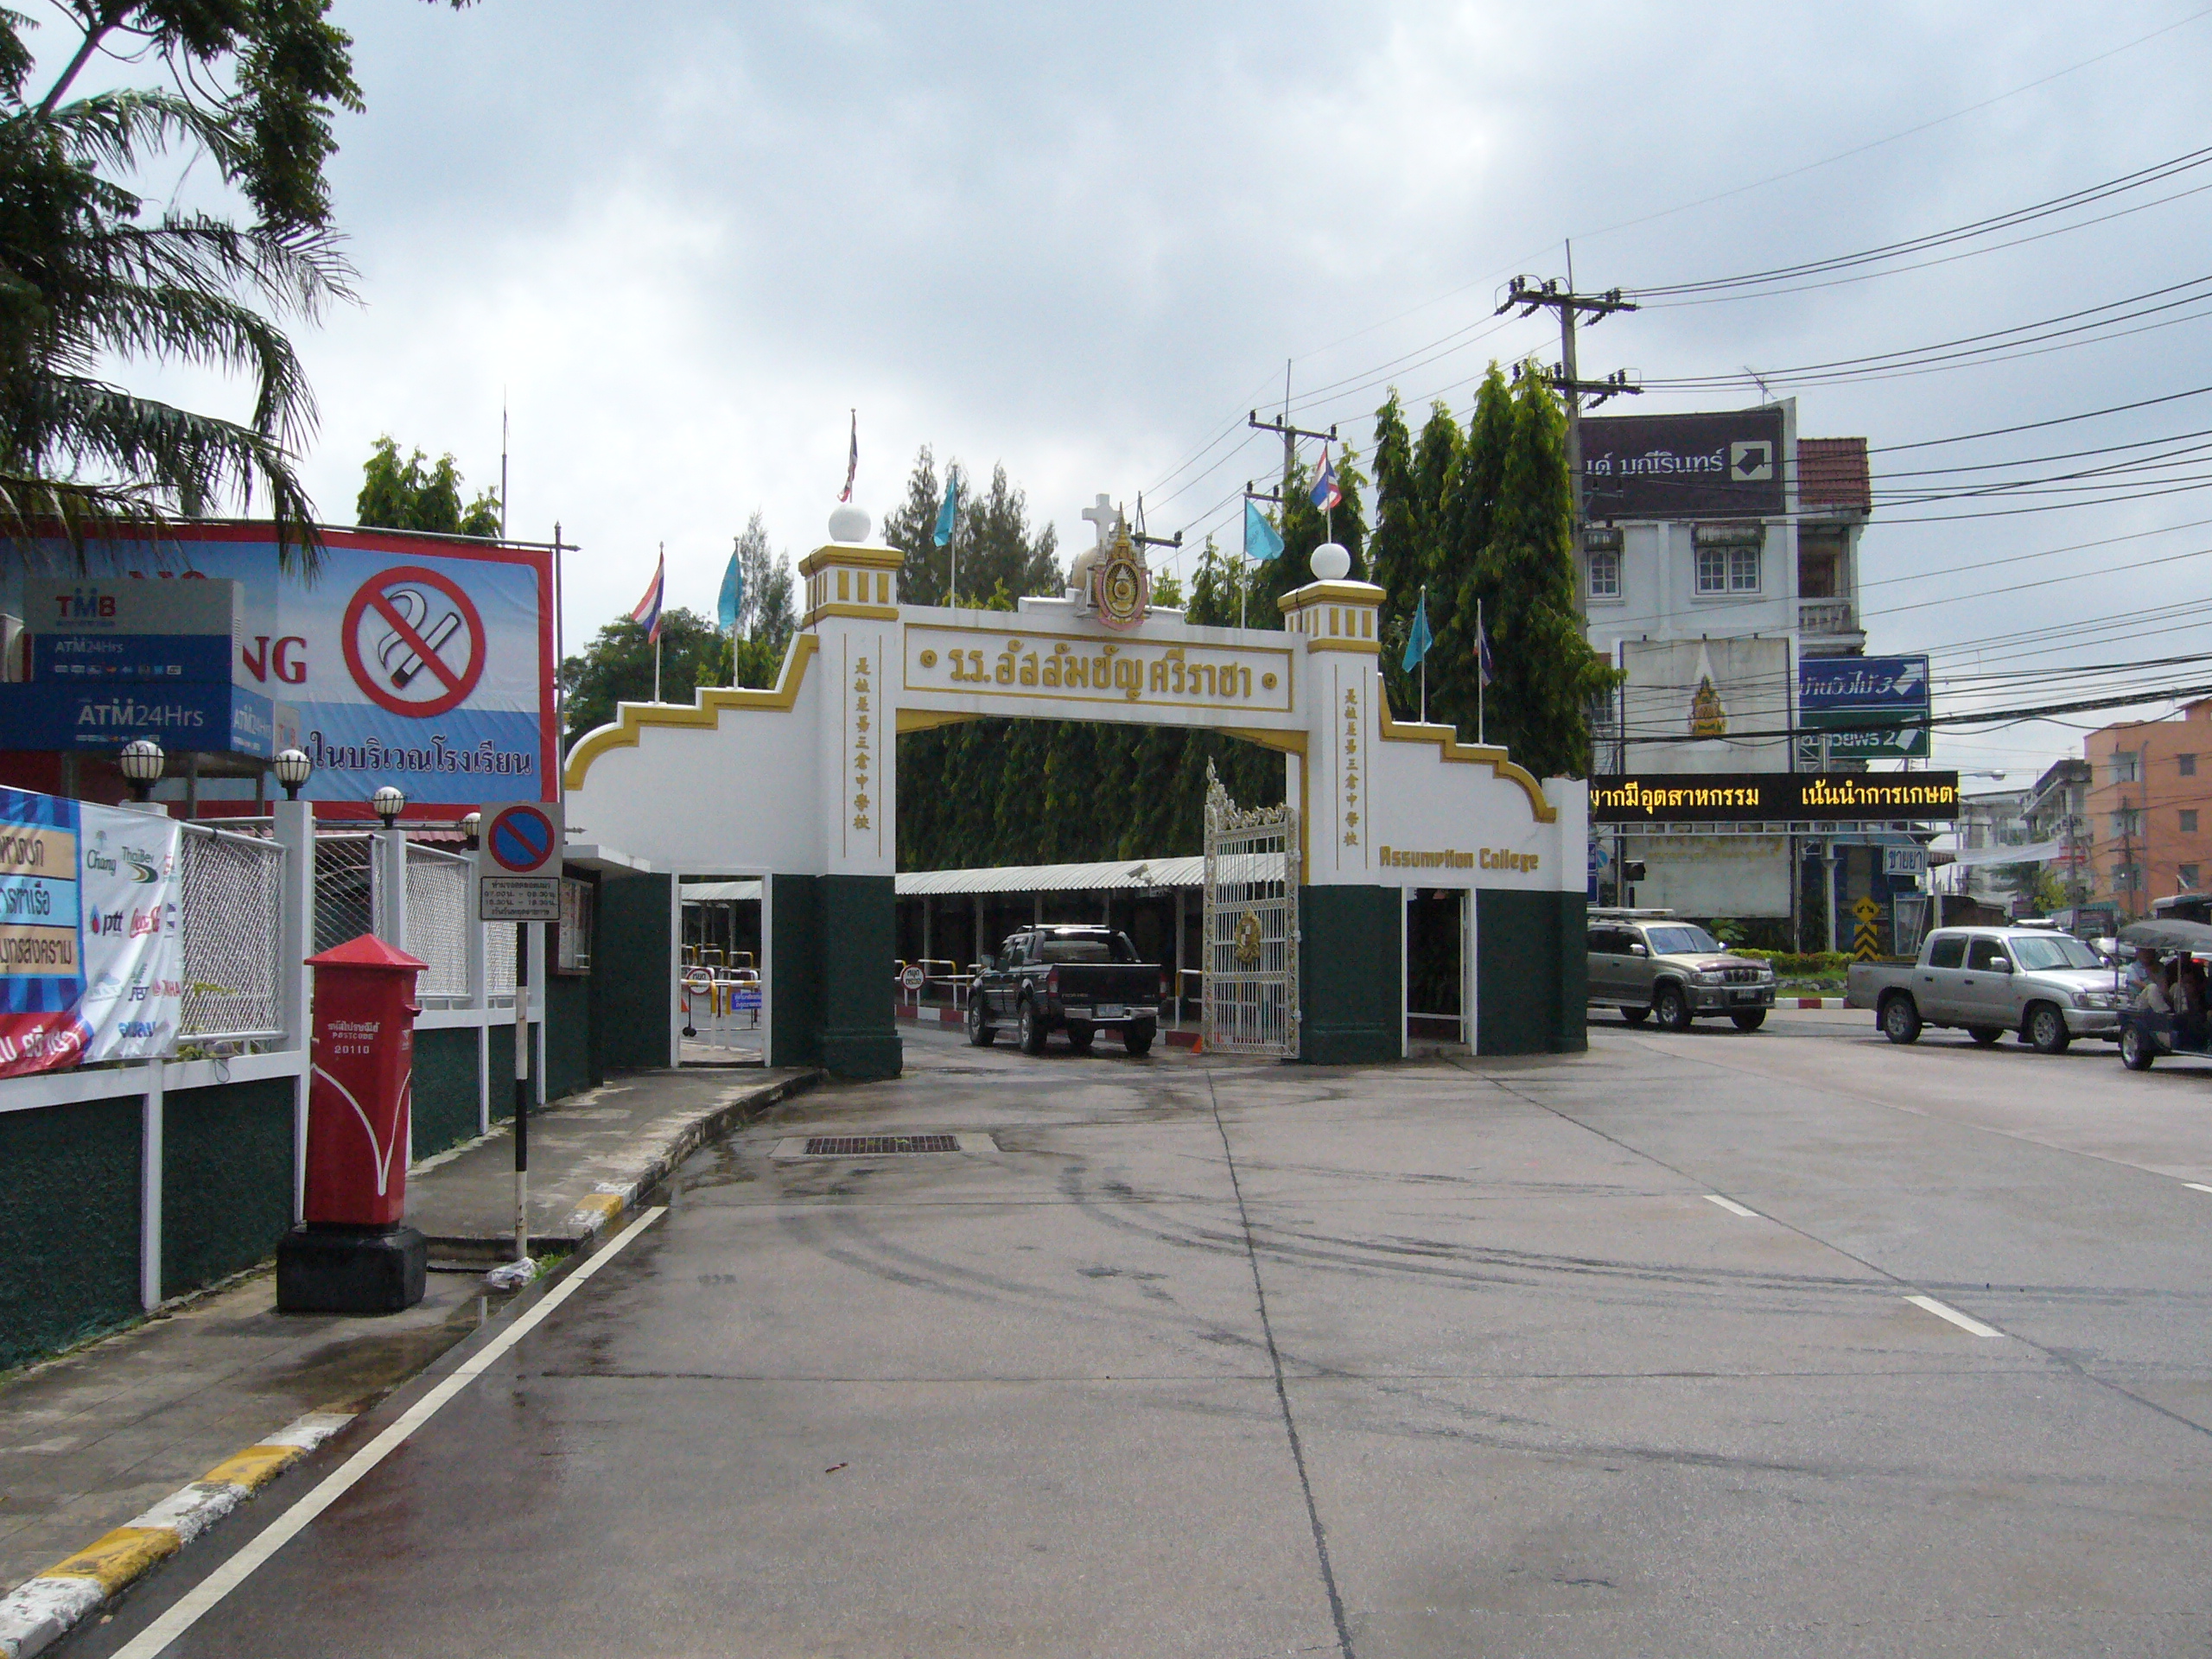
{"type": "Point", "coordinates": [2146, 1034]}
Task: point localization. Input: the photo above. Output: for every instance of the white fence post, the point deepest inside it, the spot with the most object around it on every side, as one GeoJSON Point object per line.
{"type": "Point", "coordinates": [479, 998]}
{"type": "Point", "coordinates": [388, 889]}
{"type": "Point", "coordinates": [293, 825]}
{"type": "Point", "coordinates": [149, 1190]}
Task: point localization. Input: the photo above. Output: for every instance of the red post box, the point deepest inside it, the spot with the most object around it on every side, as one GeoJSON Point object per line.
{"type": "Point", "coordinates": [353, 1254]}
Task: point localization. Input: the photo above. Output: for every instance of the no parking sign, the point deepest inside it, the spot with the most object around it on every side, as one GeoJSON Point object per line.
{"type": "Point", "coordinates": [518, 861]}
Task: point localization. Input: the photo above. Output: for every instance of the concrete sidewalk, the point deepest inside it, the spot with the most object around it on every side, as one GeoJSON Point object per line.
{"type": "Point", "coordinates": [92, 1440]}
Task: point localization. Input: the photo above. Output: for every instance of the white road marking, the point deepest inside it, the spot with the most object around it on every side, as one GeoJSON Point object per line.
{"type": "Point", "coordinates": [1731, 1206]}
{"type": "Point", "coordinates": [2197, 1186]}
{"type": "Point", "coordinates": [203, 1597]}
{"type": "Point", "coordinates": [1975, 1327]}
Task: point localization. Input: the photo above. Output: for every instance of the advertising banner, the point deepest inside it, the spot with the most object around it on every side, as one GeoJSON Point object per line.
{"type": "Point", "coordinates": [130, 891]}
{"type": "Point", "coordinates": [91, 947]}
{"type": "Point", "coordinates": [1688, 704]}
{"type": "Point", "coordinates": [424, 662]}
{"type": "Point", "coordinates": [1724, 465]}
{"type": "Point", "coordinates": [1766, 797]}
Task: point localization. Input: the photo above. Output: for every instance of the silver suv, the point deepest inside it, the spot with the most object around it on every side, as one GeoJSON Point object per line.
{"type": "Point", "coordinates": [1645, 962]}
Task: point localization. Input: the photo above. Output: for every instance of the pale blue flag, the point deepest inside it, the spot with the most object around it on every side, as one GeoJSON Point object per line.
{"type": "Point", "coordinates": [1420, 639]}
{"type": "Point", "coordinates": [1262, 543]}
{"type": "Point", "coordinates": [733, 599]}
{"type": "Point", "coordinates": [946, 513]}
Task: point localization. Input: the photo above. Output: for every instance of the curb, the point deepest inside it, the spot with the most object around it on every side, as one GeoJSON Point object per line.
{"type": "Point", "coordinates": [1809, 1002]}
{"type": "Point", "coordinates": [609, 1201]}
{"type": "Point", "coordinates": [931, 1015]}
{"type": "Point", "coordinates": [40, 1611]}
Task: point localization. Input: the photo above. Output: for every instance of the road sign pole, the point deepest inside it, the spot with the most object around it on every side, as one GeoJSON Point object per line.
{"type": "Point", "coordinates": [522, 1091]}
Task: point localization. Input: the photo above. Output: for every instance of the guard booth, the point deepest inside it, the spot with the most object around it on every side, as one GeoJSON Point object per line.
{"type": "Point", "coordinates": [799, 784]}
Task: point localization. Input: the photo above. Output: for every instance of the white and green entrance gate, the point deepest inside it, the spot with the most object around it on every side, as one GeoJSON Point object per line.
{"type": "Point", "coordinates": [1252, 927]}
{"type": "Point", "coordinates": [799, 783]}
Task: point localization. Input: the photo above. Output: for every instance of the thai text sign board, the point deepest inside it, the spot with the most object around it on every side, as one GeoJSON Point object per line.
{"type": "Point", "coordinates": [1872, 740]}
{"type": "Point", "coordinates": [1904, 861]}
{"type": "Point", "coordinates": [424, 662]}
{"type": "Point", "coordinates": [519, 899]}
{"type": "Point", "coordinates": [1724, 465]}
{"type": "Point", "coordinates": [91, 951]}
{"type": "Point", "coordinates": [1771, 797]}
{"type": "Point", "coordinates": [1829, 689]}
{"type": "Point", "coordinates": [1039, 673]}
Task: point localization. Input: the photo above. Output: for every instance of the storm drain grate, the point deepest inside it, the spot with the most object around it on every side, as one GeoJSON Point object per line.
{"type": "Point", "coordinates": [870, 1145]}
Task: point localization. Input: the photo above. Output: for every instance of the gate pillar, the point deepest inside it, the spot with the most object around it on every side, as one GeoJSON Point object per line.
{"type": "Point", "coordinates": [1350, 992]}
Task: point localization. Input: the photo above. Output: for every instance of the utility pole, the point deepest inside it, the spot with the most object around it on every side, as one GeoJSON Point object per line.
{"type": "Point", "coordinates": [1291, 434]}
{"type": "Point", "coordinates": [1552, 295]}
{"type": "Point", "coordinates": [1143, 541]}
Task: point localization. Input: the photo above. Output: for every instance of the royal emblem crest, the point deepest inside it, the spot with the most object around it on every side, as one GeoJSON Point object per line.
{"type": "Point", "coordinates": [1121, 585]}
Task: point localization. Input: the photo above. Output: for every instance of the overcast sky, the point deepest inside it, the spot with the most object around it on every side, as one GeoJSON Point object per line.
{"type": "Point", "coordinates": [685, 240]}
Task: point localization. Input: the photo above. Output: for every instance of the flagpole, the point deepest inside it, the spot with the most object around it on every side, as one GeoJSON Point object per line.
{"type": "Point", "coordinates": [1482, 681]}
{"type": "Point", "coordinates": [1424, 658]}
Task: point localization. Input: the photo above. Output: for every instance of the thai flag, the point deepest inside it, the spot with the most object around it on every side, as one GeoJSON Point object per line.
{"type": "Point", "coordinates": [1326, 495]}
{"type": "Point", "coordinates": [648, 611]}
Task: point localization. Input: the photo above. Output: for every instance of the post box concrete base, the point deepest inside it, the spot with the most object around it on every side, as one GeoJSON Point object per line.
{"type": "Point", "coordinates": [349, 1269]}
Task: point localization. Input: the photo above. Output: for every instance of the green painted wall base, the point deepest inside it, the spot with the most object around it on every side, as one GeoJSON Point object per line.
{"type": "Point", "coordinates": [630, 993]}
{"type": "Point", "coordinates": [1350, 996]}
{"type": "Point", "coordinates": [444, 1096]}
{"type": "Point", "coordinates": [1531, 973]}
{"type": "Point", "coordinates": [831, 999]}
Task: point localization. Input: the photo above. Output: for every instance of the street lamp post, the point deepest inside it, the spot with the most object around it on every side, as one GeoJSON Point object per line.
{"type": "Point", "coordinates": [293, 770]}
{"type": "Point", "coordinates": [143, 763]}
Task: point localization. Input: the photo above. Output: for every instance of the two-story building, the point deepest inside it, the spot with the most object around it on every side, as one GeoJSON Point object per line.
{"type": "Point", "coordinates": [1719, 550]}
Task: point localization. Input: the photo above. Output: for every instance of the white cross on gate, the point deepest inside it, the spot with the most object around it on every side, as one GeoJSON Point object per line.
{"type": "Point", "coordinates": [1103, 515]}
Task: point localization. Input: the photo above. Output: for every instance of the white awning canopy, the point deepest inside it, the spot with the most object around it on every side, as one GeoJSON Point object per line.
{"type": "Point", "coordinates": [1125, 875]}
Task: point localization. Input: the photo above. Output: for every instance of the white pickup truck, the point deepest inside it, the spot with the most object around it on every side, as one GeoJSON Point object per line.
{"type": "Point", "coordinates": [2046, 985]}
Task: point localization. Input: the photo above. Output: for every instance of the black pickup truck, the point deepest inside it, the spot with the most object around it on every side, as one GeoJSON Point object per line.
{"type": "Point", "coordinates": [1082, 980]}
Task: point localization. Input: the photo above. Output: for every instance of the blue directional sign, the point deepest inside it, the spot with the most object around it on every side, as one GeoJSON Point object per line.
{"type": "Point", "coordinates": [1894, 685]}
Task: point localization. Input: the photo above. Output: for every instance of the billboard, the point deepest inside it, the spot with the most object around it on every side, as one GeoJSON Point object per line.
{"type": "Point", "coordinates": [91, 944]}
{"type": "Point", "coordinates": [1724, 465]}
{"type": "Point", "coordinates": [1686, 703]}
{"type": "Point", "coordinates": [1769, 796]}
{"type": "Point", "coordinates": [424, 662]}
{"type": "Point", "coordinates": [1863, 707]}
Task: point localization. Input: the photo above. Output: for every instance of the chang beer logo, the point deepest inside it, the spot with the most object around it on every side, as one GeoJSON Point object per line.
{"type": "Point", "coordinates": [1121, 585]}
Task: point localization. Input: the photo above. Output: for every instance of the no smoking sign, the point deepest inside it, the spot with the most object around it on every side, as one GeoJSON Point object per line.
{"type": "Point", "coordinates": [414, 641]}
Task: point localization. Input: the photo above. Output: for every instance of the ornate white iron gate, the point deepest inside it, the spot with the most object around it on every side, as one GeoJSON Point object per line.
{"type": "Point", "coordinates": [1251, 926]}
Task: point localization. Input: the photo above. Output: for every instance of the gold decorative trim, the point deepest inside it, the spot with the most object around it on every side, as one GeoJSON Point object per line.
{"type": "Point", "coordinates": [634, 717]}
{"type": "Point", "coordinates": [1450, 748]}
{"type": "Point", "coordinates": [1285, 743]}
{"type": "Point", "coordinates": [1331, 641]}
{"type": "Point", "coordinates": [836, 607]}
{"type": "Point", "coordinates": [1327, 593]}
{"type": "Point", "coordinates": [929, 720]}
{"type": "Point", "coordinates": [852, 557]}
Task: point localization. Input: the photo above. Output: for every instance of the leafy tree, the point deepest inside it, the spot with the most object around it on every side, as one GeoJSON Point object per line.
{"type": "Point", "coordinates": [402, 495]}
{"type": "Point", "coordinates": [1547, 675]}
{"type": "Point", "coordinates": [618, 667]}
{"type": "Point", "coordinates": [766, 612]}
{"type": "Point", "coordinates": [991, 536]}
{"type": "Point", "coordinates": [90, 278]}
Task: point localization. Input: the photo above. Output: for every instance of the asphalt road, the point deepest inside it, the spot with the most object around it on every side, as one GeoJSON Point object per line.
{"type": "Point", "coordinates": [1191, 1357]}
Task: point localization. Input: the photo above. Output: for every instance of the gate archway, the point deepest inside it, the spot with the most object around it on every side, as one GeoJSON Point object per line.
{"type": "Point", "coordinates": [801, 781]}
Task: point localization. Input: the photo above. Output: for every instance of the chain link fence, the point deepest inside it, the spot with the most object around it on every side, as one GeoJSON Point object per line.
{"type": "Point", "coordinates": [438, 919]}
{"type": "Point", "coordinates": [232, 922]}
{"type": "Point", "coordinates": [345, 889]}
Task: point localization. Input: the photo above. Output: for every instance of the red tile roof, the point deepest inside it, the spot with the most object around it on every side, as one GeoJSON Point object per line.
{"type": "Point", "coordinates": [1832, 472]}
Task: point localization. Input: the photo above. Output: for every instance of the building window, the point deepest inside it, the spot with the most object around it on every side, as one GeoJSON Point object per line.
{"type": "Point", "coordinates": [2188, 821]}
{"type": "Point", "coordinates": [2188, 765]}
{"type": "Point", "coordinates": [2127, 767]}
{"type": "Point", "coordinates": [2187, 876]}
{"type": "Point", "coordinates": [1605, 573]}
{"type": "Point", "coordinates": [1728, 569]}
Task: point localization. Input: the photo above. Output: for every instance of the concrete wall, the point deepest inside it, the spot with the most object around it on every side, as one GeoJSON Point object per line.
{"type": "Point", "coordinates": [445, 1096]}
{"type": "Point", "coordinates": [631, 1000]}
{"type": "Point", "coordinates": [1350, 994]}
{"type": "Point", "coordinates": [227, 1179]}
{"type": "Point", "coordinates": [1531, 974]}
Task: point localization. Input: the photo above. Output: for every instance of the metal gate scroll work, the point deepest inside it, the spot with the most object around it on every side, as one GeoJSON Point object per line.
{"type": "Point", "coordinates": [1251, 926]}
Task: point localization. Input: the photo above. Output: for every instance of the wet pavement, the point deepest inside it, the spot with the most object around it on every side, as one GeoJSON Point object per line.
{"type": "Point", "coordinates": [1205, 1358]}
{"type": "Point", "coordinates": [92, 1439]}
